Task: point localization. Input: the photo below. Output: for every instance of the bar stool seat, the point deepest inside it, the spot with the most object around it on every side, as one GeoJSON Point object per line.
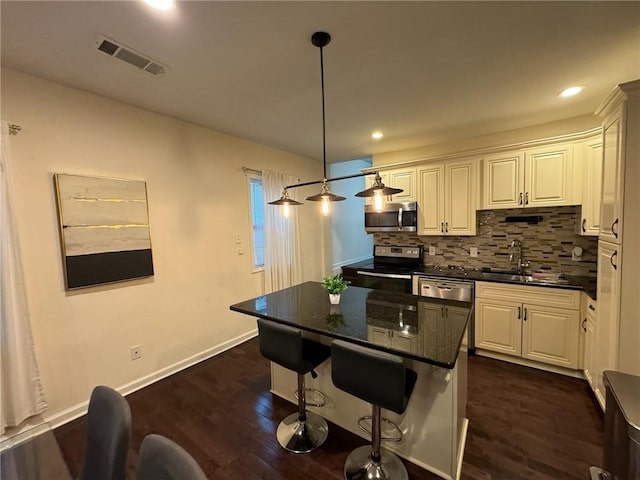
{"type": "Point", "coordinates": [303, 431]}
{"type": "Point", "coordinates": [381, 379]}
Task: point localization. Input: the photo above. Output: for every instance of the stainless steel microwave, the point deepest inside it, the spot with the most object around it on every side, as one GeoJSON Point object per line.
{"type": "Point", "coordinates": [394, 217]}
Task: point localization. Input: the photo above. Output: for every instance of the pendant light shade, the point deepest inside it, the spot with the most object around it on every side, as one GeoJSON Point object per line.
{"type": "Point", "coordinates": [378, 188]}
{"type": "Point", "coordinates": [325, 194]}
{"type": "Point", "coordinates": [285, 200]}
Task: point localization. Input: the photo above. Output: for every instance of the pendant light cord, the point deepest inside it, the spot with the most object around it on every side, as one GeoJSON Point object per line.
{"type": "Point", "coordinates": [324, 142]}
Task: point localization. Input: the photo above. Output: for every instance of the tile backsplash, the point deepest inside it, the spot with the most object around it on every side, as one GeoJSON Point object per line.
{"type": "Point", "coordinates": [547, 245]}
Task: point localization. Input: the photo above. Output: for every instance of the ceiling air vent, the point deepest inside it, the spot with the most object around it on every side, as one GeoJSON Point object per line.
{"type": "Point", "coordinates": [129, 56]}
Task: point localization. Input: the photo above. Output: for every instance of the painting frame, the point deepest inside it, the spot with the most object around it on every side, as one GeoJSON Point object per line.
{"type": "Point", "coordinates": [104, 229]}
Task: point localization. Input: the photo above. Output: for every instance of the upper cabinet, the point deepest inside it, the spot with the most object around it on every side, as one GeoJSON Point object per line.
{"type": "Point", "coordinates": [612, 178]}
{"type": "Point", "coordinates": [538, 177]}
{"type": "Point", "coordinates": [403, 178]}
{"type": "Point", "coordinates": [447, 198]}
{"type": "Point", "coordinates": [589, 221]}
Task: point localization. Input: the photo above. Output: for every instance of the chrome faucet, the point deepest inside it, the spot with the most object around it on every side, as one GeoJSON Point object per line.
{"type": "Point", "coordinates": [515, 256]}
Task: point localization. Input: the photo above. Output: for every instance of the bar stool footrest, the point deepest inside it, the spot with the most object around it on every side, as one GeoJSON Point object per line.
{"type": "Point", "coordinates": [363, 427]}
{"type": "Point", "coordinates": [321, 402]}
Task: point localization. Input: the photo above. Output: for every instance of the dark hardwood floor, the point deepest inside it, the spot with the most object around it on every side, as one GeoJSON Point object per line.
{"type": "Point", "coordinates": [524, 424]}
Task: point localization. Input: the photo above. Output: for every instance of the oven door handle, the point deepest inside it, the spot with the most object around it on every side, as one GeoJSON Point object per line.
{"type": "Point", "coordinates": [384, 275]}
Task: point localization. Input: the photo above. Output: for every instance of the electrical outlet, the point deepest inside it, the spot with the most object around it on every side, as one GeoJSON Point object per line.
{"type": "Point", "coordinates": [237, 238]}
{"type": "Point", "coordinates": [136, 352]}
{"type": "Point", "coordinates": [473, 251]}
{"type": "Point", "coordinates": [432, 250]}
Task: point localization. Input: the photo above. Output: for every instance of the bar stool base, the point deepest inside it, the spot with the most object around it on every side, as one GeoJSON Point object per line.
{"type": "Point", "coordinates": [302, 437]}
{"type": "Point", "coordinates": [359, 466]}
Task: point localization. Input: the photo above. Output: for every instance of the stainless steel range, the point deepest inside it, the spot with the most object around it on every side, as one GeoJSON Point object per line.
{"type": "Point", "coordinates": [390, 269]}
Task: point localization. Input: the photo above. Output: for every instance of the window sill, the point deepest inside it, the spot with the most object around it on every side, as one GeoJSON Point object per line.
{"type": "Point", "coordinates": [258, 270]}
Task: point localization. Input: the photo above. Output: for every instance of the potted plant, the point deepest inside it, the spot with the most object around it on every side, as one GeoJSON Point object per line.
{"type": "Point", "coordinates": [335, 285]}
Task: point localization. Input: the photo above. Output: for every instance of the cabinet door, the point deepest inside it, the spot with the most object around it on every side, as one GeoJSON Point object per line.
{"type": "Point", "coordinates": [591, 187]}
{"type": "Point", "coordinates": [460, 204]}
{"type": "Point", "coordinates": [550, 335]}
{"type": "Point", "coordinates": [498, 327]}
{"type": "Point", "coordinates": [431, 200]}
{"type": "Point", "coordinates": [612, 181]}
{"type": "Point", "coordinates": [503, 181]}
{"type": "Point", "coordinates": [404, 341]}
{"type": "Point", "coordinates": [607, 326]}
{"type": "Point", "coordinates": [548, 176]}
{"type": "Point", "coordinates": [590, 349]}
{"type": "Point", "coordinates": [379, 336]}
{"type": "Point", "coordinates": [405, 179]}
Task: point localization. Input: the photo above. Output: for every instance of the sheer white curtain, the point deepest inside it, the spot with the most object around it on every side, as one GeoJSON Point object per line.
{"type": "Point", "coordinates": [21, 392]}
{"type": "Point", "coordinates": [282, 267]}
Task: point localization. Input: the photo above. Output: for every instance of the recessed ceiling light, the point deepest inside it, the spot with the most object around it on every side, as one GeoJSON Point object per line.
{"type": "Point", "coordinates": [377, 135]}
{"type": "Point", "coordinates": [571, 91]}
{"type": "Point", "coordinates": [161, 4]}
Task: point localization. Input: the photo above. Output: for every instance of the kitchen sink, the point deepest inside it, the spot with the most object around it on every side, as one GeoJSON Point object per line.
{"type": "Point", "coordinates": [514, 277]}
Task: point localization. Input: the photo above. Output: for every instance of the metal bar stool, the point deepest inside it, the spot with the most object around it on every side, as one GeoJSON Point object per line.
{"type": "Point", "coordinates": [382, 380]}
{"type": "Point", "coordinates": [303, 431]}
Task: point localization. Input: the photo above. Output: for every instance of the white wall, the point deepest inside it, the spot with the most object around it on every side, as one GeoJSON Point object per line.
{"type": "Point", "coordinates": [198, 201]}
{"type": "Point", "coordinates": [349, 241]}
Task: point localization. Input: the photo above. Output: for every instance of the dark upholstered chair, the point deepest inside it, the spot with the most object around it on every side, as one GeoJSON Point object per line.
{"type": "Point", "coordinates": [163, 459]}
{"type": "Point", "coordinates": [108, 436]}
{"type": "Point", "coordinates": [303, 431]}
{"type": "Point", "coordinates": [381, 379]}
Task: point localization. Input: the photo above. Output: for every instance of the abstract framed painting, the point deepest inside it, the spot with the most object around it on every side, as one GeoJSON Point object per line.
{"type": "Point", "coordinates": [104, 229]}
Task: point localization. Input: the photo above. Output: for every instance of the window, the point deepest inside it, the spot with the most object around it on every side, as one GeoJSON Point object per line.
{"type": "Point", "coordinates": [257, 220]}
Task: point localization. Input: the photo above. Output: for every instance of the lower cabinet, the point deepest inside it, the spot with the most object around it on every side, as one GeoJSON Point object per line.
{"type": "Point", "coordinates": [590, 364]}
{"type": "Point", "coordinates": [535, 323]}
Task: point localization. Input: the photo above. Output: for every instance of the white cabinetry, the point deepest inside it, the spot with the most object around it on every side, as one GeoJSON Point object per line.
{"type": "Point", "coordinates": [589, 322]}
{"type": "Point", "coordinates": [591, 186]}
{"type": "Point", "coordinates": [403, 178]}
{"type": "Point", "coordinates": [535, 323]}
{"type": "Point", "coordinates": [618, 328]}
{"type": "Point", "coordinates": [447, 198]}
{"type": "Point", "coordinates": [538, 177]}
{"type": "Point", "coordinates": [607, 326]}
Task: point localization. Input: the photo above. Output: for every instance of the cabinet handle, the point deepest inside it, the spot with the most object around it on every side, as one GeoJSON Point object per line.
{"type": "Point", "coordinates": [526, 198]}
{"type": "Point", "coordinates": [520, 201]}
{"type": "Point", "coordinates": [584, 326]}
{"type": "Point", "coordinates": [446, 227]}
{"type": "Point", "coordinates": [525, 315]}
{"type": "Point", "coordinates": [591, 307]}
{"type": "Point", "coordinates": [519, 312]}
{"type": "Point", "coordinates": [584, 222]}
{"type": "Point", "coordinates": [442, 227]}
{"type": "Point", "coordinates": [615, 254]}
{"type": "Point", "coordinates": [613, 230]}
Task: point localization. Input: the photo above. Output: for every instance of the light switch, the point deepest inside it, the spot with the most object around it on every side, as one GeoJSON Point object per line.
{"type": "Point", "coordinates": [473, 251]}
{"type": "Point", "coordinates": [237, 238]}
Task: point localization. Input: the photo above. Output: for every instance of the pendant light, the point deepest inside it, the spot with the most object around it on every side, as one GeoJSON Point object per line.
{"type": "Point", "coordinates": [378, 191]}
{"type": "Point", "coordinates": [285, 201]}
{"type": "Point", "coordinates": [321, 40]}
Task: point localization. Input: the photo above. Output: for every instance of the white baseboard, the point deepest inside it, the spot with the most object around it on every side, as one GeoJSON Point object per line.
{"type": "Point", "coordinates": [80, 409]}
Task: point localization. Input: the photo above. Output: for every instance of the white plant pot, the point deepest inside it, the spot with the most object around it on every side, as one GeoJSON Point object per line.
{"type": "Point", "coordinates": [334, 298]}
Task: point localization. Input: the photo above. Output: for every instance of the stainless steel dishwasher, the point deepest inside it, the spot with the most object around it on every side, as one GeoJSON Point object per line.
{"type": "Point", "coordinates": [448, 289]}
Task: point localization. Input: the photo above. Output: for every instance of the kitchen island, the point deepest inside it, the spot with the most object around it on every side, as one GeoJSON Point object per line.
{"type": "Point", "coordinates": [429, 333]}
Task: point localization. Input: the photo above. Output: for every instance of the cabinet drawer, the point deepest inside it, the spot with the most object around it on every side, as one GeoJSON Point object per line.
{"type": "Point", "coordinates": [551, 297]}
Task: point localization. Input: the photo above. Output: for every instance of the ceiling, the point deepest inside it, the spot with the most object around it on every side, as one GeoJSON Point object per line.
{"type": "Point", "coordinates": [422, 72]}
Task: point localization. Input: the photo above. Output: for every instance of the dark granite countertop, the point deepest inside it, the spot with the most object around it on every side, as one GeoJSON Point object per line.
{"type": "Point", "coordinates": [423, 329]}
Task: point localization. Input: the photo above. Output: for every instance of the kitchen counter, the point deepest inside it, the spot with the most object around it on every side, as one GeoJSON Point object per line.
{"type": "Point", "coordinates": [428, 333]}
{"type": "Point", "coordinates": [418, 319]}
